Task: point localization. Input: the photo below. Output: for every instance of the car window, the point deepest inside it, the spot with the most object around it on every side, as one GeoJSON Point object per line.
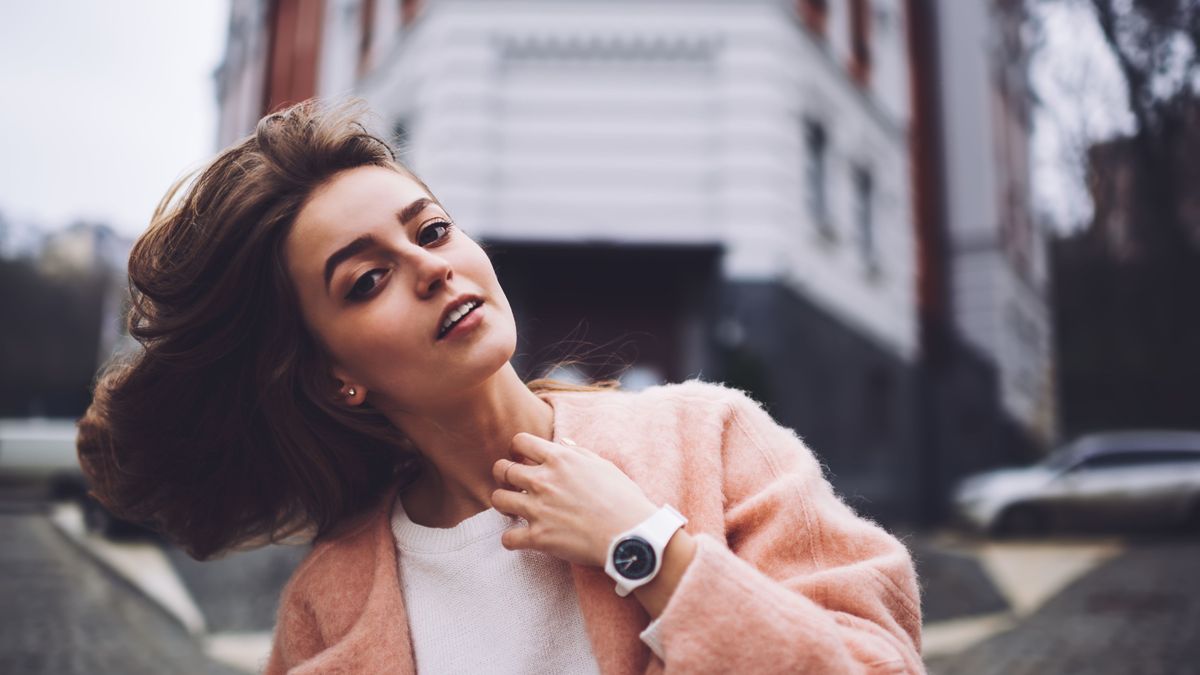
{"type": "Point", "coordinates": [1172, 456]}
{"type": "Point", "coordinates": [1060, 459]}
{"type": "Point", "coordinates": [1140, 458]}
{"type": "Point", "coordinates": [1110, 460]}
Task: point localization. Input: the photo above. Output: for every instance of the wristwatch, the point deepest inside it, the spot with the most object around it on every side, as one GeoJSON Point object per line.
{"type": "Point", "coordinates": [635, 556]}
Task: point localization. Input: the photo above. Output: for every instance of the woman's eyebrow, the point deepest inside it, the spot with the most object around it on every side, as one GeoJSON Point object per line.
{"type": "Point", "coordinates": [360, 244]}
{"type": "Point", "coordinates": [413, 210]}
{"type": "Point", "coordinates": [367, 241]}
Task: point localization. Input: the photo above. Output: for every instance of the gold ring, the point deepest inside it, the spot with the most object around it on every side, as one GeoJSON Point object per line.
{"type": "Point", "coordinates": [510, 464]}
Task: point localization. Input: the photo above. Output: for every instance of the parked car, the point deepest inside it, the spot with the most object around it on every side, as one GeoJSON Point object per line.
{"type": "Point", "coordinates": [41, 453]}
{"type": "Point", "coordinates": [1114, 480]}
{"type": "Point", "coordinates": [37, 456]}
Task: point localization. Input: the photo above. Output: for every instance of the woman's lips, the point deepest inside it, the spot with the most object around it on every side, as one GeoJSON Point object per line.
{"type": "Point", "coordinates": [465, 324]}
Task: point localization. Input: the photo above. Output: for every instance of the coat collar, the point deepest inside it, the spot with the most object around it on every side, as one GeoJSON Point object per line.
{"type": "Point", "coordinates": [613, 623]}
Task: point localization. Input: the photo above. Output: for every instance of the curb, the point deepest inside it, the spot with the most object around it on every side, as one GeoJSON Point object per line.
{"type": "Point", "coordinates": [141, 566]}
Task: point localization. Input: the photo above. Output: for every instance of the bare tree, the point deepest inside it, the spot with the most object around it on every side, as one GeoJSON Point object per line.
{"type": "Point", "coordinates": [1126, 286]}
{"type": "Point", "coordinates": [1156, 44]}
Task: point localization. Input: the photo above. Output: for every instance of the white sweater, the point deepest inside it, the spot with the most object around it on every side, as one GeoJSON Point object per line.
{"type": "Point", "coordinates": [475, 606]}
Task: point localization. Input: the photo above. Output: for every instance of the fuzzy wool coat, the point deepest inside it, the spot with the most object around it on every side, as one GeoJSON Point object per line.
{"type": "Point", "coordinates": [786, 578]}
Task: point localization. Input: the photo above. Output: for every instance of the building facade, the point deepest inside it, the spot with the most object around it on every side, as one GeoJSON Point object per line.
{"type": "Point", "coordinates": [999, 262]}
{"type": "Point", "coordinates": [717, 188]}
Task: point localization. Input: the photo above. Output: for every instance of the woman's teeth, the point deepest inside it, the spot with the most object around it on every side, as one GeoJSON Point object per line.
{"type": "Point", "coordinates": [458, 314]}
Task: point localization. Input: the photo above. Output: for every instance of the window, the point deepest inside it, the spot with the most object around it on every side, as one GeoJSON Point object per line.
{"type": "Point", "coordinates": [815, 14]}
{"type": "Point", "coordinates": [816, 145]}
{"type": "Point", "coordinates": [864, 217]}
{"type": "Point", "coordinates": [409, 10]}
{"type": "Point", "coordinates": [860, 41]}
{"type": "Point", "coordinates": [1138, 458]}
{"type": "Point", "coordinates": [1109, 461]}
{"type": "Point", "coordinates": [366, 33]}
{"type": "Point", "coordinates": [1172, 456]}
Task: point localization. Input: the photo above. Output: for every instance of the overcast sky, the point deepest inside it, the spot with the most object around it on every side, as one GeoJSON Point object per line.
{"type": "Point", "coordinates": [1082, 100]}
{"type": "Point", "coordinates": [105, 103]}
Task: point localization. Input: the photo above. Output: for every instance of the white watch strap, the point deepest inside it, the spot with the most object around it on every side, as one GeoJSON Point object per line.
{"type": "Point", "coordinates": [657, 530]}
{"type": "Point", "coordinates": [660, 527]}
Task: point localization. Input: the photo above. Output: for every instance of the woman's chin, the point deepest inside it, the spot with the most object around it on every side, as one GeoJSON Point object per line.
{"type": "Point", "coordinates": [483, 360]}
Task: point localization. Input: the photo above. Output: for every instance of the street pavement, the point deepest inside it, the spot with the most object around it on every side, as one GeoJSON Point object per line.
{"type": "Point", "coordinates": [1136, 612]}
{"type": "Point", "coordinates": [239, 593]}
{"type": "Point", "coordinates": [227, 604]}
{"type": "Point", "coordinates": [1089, 606]}
{"type": "Point", "coordinates": [64, 615]}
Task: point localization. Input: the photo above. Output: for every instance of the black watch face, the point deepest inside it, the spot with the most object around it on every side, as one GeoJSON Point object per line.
{"type": "Point", "coordinates": [634, 558]}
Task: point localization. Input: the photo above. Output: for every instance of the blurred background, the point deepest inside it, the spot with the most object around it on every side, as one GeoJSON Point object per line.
{"type": "Point", "coordinates": [955, 244]}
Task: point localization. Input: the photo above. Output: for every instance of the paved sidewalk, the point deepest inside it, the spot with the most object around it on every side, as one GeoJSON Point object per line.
{"type": "Point", "coordinates": [227, 605]}
{"type": "Point", "coordinates": [64, 615]}
{"type": "Point", "coordinates": [1138, 612]}
{"type": "Point", "coordinates": [974, 588]}
{"type": "Point", "coordinates": [1101, 606]}
{"type": "Point", "coordinates": [238, 596]}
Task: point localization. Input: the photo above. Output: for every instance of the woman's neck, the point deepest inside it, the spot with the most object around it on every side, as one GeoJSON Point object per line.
{"type": "Point", "coordinates": [460, 446]}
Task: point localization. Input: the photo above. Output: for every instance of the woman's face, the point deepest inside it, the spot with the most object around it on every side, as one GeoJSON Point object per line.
{"type": "Point", "coordinates": [379, 266]}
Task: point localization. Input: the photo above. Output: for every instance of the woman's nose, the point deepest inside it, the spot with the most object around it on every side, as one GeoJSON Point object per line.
{"type": "Point", "coordinates": [433, 271]}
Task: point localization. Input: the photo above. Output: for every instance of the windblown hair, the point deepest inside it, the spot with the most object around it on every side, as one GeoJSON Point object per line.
{"type": "Point", "coordinates": [223, 431]}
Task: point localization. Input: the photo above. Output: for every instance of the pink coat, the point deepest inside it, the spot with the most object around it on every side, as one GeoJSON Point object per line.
{"type": "Point", "coordinates": [786, 578]}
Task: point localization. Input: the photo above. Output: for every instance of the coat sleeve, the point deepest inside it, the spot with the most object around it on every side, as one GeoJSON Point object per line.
{"type": "Point", "coordinates": [800, 583]}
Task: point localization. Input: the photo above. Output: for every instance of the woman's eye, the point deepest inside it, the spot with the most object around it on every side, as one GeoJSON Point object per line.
{"type": "Point", "coordinates": [438, 230]}
{"type": "Point", "coordinates": [365, 284]}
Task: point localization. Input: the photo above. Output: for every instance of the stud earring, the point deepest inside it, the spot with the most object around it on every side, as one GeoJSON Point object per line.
{"type": "Point", "coordinates": [351, 392]}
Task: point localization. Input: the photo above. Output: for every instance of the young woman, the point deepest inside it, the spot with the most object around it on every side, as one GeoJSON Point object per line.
{"type": "Point", "coordinates": [327, 356]}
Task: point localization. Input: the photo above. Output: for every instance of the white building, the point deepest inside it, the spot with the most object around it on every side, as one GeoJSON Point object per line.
{"type": "Point", "coordinates": [723, 183]}
{"type": "Point", "coordinates": [999, 262]}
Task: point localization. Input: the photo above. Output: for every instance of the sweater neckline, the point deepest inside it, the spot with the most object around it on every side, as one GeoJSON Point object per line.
{"type": "Point", "coordinates": [413, 538]}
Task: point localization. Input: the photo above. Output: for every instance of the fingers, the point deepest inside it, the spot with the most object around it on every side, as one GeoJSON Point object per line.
{"type": "Point", "coordinates": [527, 445]}
{"type": "Point", "coordinates": [517, 504]}
{"type": "Point", "coordinates": [517, 537]}
{"type": "Point", "coordinates": [577, 447]}
{"type": "Point", "coordinates": [508, 472]}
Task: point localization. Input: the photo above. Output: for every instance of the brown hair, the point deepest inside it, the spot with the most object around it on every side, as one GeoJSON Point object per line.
{"type": "Point", "coordinates": [223, 430]}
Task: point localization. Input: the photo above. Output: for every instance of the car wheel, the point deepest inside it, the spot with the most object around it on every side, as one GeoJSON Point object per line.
{"type": "Point", "coordinates": [1022, 519]}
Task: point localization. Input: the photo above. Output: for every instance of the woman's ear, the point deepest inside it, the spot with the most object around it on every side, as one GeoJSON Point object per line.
{"type": "Point", "coordinates": [347, 391]}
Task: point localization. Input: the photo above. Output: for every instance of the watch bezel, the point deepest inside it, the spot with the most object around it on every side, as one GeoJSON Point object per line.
{"type": "Point", "coordinates": [643, 544]}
